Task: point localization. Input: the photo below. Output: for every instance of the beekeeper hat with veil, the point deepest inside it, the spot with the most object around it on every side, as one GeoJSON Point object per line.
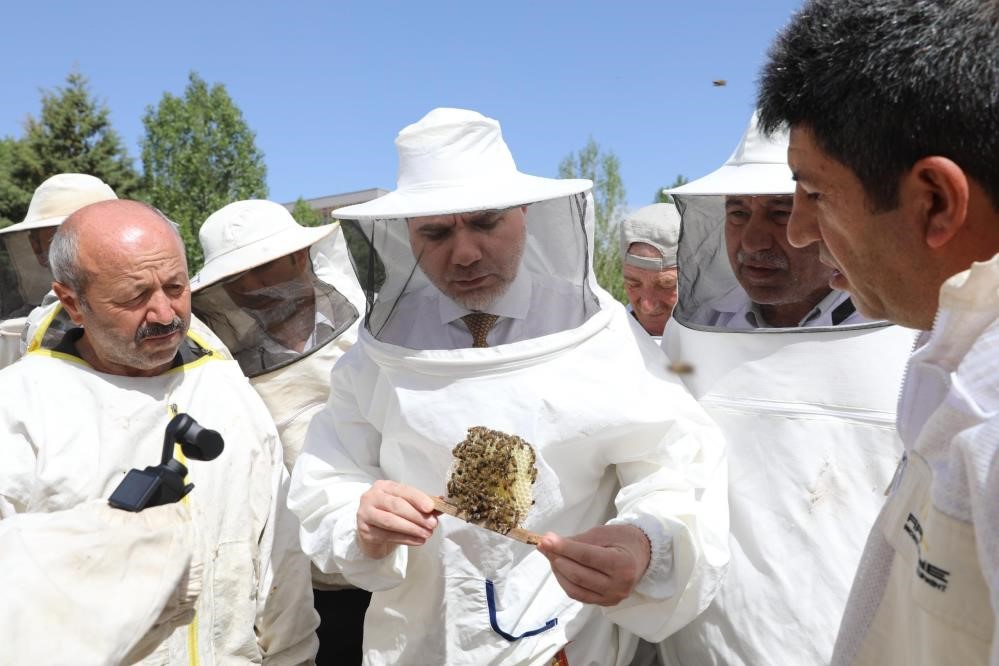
{"type": "Point", "coordinates": [808, 412]}
{"type": "Point", "coordinates": [563, 366]}
{"type": "Point", "coordinates": [284, 300]}
{"type": "Point", "coordinates": [25, 277]}
{"type": "Point", "coordinates": [272, 289]}
{"type": "Point", "coordinates": [454, 162]}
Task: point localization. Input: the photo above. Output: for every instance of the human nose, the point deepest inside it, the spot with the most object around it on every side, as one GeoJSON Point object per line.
{"type": "Point", "coordinates": [647, 304]}
{"type": "Point", "coordinates": [802, 226]}
{"type": "Point", "coordinates": [757, 235]}
{"type": "Point", "coordinates": [160, 308]}
{"type": "Point", "coordinates": [465, 251]}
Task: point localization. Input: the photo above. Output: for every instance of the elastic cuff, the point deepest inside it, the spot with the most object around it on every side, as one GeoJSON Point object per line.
{"type": "Point", "coordinates": [657, 582]}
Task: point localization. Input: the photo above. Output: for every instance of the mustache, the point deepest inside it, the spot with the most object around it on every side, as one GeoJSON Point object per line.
{"type": "Point", "coordinates": [155, 330]}
{"type": "Point", "coordinates": [763, 259]}
{"type": "Point", "coordinates": [465, 274]}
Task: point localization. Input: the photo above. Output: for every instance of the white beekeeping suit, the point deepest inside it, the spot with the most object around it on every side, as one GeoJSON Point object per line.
{"type": "Point", "coordinates": [68, 433]}
{"type": "Point", "coordinates": [114, 583]}
{"type": "Point", "coordinates": [617, 438]}
{"type": "Point", "coordinates": [25, 277]}
{"type": "Point", "coordinates": [808, 413]}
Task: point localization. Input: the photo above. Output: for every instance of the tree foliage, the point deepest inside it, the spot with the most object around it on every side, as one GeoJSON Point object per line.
{"type": "Point", "coordinates": [662, 197]}
{"type": "Point", "coordinates": [73, 134]}
{"type": "Point", "coordinates": [198, 154]}
{"type": "Point", "coordinates": [305, 214]}
{"type": "Point", "coordinates": [11, 196]}
{"type": "Point", "coordinates": [604, 169]}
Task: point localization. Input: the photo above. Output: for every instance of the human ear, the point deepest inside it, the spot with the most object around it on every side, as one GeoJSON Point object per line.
{"type": "Point", "coordinates": [943, 191]}
{"type": "Point", "coordinates": [70, 301]}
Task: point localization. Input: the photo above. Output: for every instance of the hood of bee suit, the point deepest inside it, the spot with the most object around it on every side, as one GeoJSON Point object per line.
{"type": "Point", "coordinates": [25, 277]}
{"type": "Point", "coordinates": [273, 290]}
{"type": "Point", "coordinates": [756, 178]}
{"type": "Point", "coordinates": [808, 415]}
{"type": "Point", "coordinates": [451, 163]}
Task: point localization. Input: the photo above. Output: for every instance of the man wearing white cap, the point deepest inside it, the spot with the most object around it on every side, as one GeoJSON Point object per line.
{"type": "Point", "coordinates": [284, 300]}
{"type": "Point", "coordinates": [807, 411]}
{"type": "Point", "coordinates": [745, 273]}
{"type": "Point", "coordinates": [24, 248]}
{"type": "Point", "coordinates": [648, 251]}
{"type": "Point", "coordinates": [484, 312]}
{"type": "Point", "coordinates": [75, 415]}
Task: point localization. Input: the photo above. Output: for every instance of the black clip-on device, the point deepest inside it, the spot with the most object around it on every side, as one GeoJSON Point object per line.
{"type": "Point", "coordinates": [164, 483]}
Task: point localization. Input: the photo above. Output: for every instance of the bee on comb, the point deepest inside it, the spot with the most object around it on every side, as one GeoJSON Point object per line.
{"type": "Point", "coordinates": [490, 484]}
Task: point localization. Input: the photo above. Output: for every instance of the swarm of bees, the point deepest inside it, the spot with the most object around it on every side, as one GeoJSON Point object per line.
{"type": "Point", "coordinates": [491, 479]}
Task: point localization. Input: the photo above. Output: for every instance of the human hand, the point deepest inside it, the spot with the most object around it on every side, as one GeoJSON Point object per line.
{"type": "Point", "coordinates": [393, 514]}
{"type": "Point", "coordinates": [600, 566]}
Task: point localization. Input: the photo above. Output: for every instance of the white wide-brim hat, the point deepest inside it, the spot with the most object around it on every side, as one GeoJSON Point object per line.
{"type": "Point", "coordinates": [60, 196]}
{"type": "Point", "coordinates": [246, 234]}
{"type": "Point", "coordinates": [758, 166]}
{"type": "Point", "coordinates": [455, 161]}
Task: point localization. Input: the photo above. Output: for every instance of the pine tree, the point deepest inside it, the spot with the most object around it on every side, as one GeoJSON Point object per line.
{"type": "Point", "coordinates": [12, 197]}
{"type": "Point", "coordinates": [73, 134]}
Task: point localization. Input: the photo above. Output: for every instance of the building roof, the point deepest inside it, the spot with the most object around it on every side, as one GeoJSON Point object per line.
{"type": "Point", "coordinates": [334, 201]}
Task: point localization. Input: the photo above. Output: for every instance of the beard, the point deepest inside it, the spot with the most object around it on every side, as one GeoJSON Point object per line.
{"type": "Point", "coordinates": [477, 300]}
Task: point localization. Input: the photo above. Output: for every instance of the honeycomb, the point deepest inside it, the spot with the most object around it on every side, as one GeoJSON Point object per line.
{"type": "Point", "coordinates": [491, 479]}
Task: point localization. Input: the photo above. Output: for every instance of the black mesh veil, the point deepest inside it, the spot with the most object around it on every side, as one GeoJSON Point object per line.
{"type": "Point", "coordinates": [558, 249]}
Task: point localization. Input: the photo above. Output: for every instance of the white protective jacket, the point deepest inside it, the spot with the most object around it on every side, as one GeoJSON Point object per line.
{"type": "Point", "coordinates": [617, 439]}
{"type": "Point", "coordinates": [927, 589]}
{"type": "Point", "coordinates": [808, 415]}
{"type": "Point", "coordinates": [95, 585]}
{"type": "Point", "coordinates": [68, 434]}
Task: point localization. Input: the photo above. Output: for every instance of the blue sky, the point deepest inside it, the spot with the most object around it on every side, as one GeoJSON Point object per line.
{"type": "Point", "coordinates": [327, 85]}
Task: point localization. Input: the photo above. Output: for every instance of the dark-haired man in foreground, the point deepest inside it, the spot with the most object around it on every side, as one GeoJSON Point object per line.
{"type": "Point", "coordinates": [894, 144]}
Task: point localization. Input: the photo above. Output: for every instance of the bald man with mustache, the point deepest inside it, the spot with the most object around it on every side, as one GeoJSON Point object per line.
{"type": "Point", "coordinates": [75, 414]}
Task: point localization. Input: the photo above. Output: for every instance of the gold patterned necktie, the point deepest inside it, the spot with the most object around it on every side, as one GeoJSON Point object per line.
{"type": "Point", "coordinates": [478, 324]}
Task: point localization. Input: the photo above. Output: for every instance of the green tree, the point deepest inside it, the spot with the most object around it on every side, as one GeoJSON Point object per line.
{"type": "Point", "coordinates": [305, 214]}
{"type": "Point", "coordinates": [198, 154]}
{"type": "Point", "coordinates": [604, 169]}
{"type": "Point", "coordinates": [662, 197]}
{"type": "Point", "coordinates": [11, 196]}
{"type": "Point", "coordinates": [73, 134]}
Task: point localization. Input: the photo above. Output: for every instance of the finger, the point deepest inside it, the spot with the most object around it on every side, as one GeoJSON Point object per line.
{"type": "Point", "coordinates": [380, 536]}
{"type": "Point", "coordinates": [584, 577]}
{"type": "Point", "coordinates": [421, 501]}
{"type": "Point", "coordinates": [402, 507]}
{"type": "Point", "coordinates": [394, 522]}
{"type": "Point", "coordinates": [595, 557]}
{"type": "Point", "coordinates": [580, 593]}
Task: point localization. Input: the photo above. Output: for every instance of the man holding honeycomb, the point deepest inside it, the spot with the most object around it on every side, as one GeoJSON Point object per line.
{"type": "Point", "coordinates": [485, 324]}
